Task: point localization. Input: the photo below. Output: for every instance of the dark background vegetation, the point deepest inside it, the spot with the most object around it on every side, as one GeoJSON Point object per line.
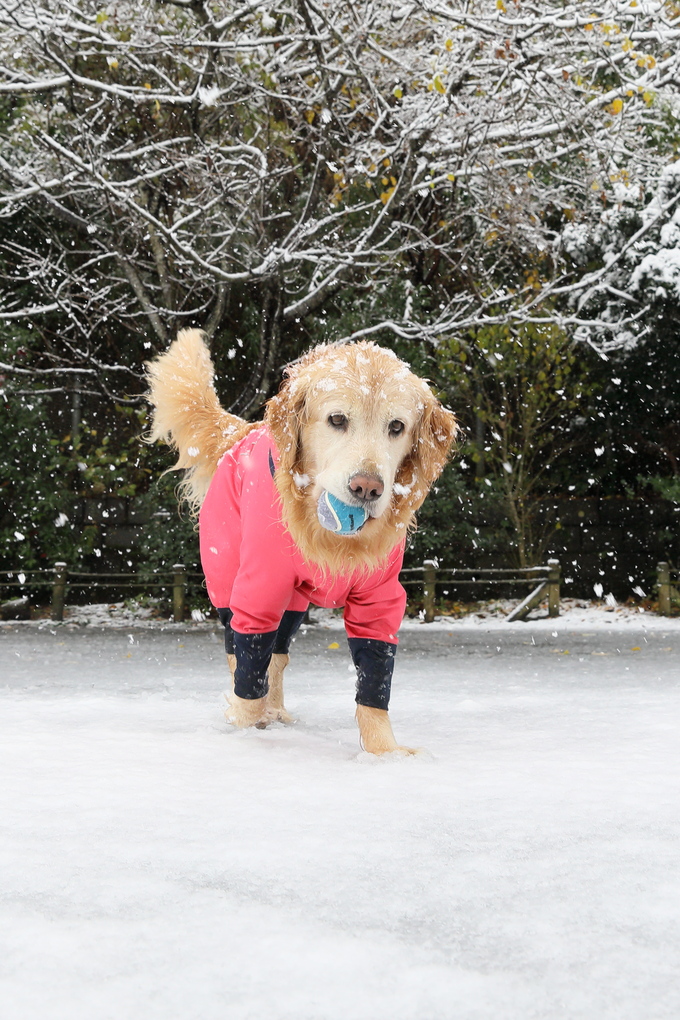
{"type": "Point", "coordinates": [82, 486]}
{"type": "Point", "coordinates": [568, 399]}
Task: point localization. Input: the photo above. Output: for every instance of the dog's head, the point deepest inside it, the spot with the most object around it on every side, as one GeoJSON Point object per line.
{"type": "Point", "coordinates": [356, 422]}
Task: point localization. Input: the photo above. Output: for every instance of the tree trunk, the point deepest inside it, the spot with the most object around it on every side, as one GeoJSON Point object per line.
{"type": "Point", "coordinates": [258, 386]}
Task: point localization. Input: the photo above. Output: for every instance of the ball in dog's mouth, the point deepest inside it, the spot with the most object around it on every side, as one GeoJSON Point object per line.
{"type": "Point", "coordinates": [339, 517]}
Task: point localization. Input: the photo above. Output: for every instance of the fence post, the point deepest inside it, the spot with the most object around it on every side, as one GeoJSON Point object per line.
{"type": "Point", "coordinates": [59, 591]}
{"type": "Point", "coordinates": [553, 587]}
{"type": "Point", "coordinates": [179, 583]}
{"type": "Point", "coordinates": [663, 578]}
{"type": "Point", "coordinates": [429, 588]}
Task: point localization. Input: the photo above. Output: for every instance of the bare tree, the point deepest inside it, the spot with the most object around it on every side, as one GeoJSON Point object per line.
{"type": "Point", "coordinates": [248, 166]}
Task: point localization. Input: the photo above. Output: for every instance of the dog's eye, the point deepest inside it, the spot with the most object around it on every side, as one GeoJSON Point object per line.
{"type": "Point", "coordinates": [396, 428]}
{"type": "Point", "coordinates": [338, 421]}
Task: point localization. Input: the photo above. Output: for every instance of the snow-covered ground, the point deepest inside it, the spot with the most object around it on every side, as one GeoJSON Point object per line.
{"type": "Point", "coordinates": [156, 864]}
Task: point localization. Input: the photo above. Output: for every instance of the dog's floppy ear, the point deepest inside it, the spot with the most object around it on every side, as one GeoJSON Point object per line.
{"type": "Point", "coordinates": [284, 417]}
{"type": "Point", "coordinates": [433, 438]}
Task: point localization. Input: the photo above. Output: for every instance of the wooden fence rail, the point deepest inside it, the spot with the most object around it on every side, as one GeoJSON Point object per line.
{"type": "Point", "coordinates": [544, 580]}
{"type": "Point", "coordinates": [60, 578]}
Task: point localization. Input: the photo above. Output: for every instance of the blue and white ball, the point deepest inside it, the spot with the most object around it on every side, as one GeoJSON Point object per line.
{"type": "Point", "coordinates": [339, 517]}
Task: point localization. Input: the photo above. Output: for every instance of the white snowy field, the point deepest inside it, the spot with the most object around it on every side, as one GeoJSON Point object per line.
{"type": "Point", "coordinates": [156, 864]}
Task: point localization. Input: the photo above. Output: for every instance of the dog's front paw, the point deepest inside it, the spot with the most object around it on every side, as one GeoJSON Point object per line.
{"type": "Point", "coordinates": [245, 712]}
{"type": "Point", "coordinates": [396, 749]}
{"type": "Point", "coordinates": [282, 715]}
{"type": "Point", "coordinates": [376, 732]}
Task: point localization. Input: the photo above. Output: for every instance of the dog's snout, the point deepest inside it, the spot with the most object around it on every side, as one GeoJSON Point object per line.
{"type": "Point", "coordinates": [367, 488]}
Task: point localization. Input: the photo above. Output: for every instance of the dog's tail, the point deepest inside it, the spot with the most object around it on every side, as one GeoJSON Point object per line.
{"type": "Point", "coordinates": [187, 414]}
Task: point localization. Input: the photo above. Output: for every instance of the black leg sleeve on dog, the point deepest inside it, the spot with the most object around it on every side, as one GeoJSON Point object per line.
{"type": "Point", "coordinates": [225, 616]}
{"type": "Point", "coordinates": [288, 628]}
{"type": "Point", "coordinates": [253, 652]}
{"type": "Point", "coordinates": [374, 661]}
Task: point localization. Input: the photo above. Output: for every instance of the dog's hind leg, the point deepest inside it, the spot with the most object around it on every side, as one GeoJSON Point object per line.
{"type": "Point", "coordinates": [288, 628]}
{"type": "Point", "coordinates": [275, 704]}
{"type": "Point", "coordinates": [231, 659]}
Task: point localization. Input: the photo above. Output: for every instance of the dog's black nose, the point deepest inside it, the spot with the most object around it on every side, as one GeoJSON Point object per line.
{"type": "Point", "coordinates": [367, 488]}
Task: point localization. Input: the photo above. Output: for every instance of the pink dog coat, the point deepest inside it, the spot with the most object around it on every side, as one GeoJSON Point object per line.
{"type": "Point", "coordinates": [253, 567]}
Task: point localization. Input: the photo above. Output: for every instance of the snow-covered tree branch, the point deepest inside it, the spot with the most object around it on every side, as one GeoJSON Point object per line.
{"type": "Point", "coordinates": [279, 172]}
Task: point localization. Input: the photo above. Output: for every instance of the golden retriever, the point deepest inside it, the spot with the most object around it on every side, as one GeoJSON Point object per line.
{"type": "Point", "coordinates": [349, 420]}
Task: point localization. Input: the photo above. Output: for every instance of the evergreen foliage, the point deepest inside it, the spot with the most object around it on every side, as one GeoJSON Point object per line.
{"type": "Point", "coordinates": [490, 189]}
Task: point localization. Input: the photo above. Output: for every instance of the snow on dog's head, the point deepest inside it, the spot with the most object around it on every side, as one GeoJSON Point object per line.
{"type": "Point", "coordinates": [360, 425]}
